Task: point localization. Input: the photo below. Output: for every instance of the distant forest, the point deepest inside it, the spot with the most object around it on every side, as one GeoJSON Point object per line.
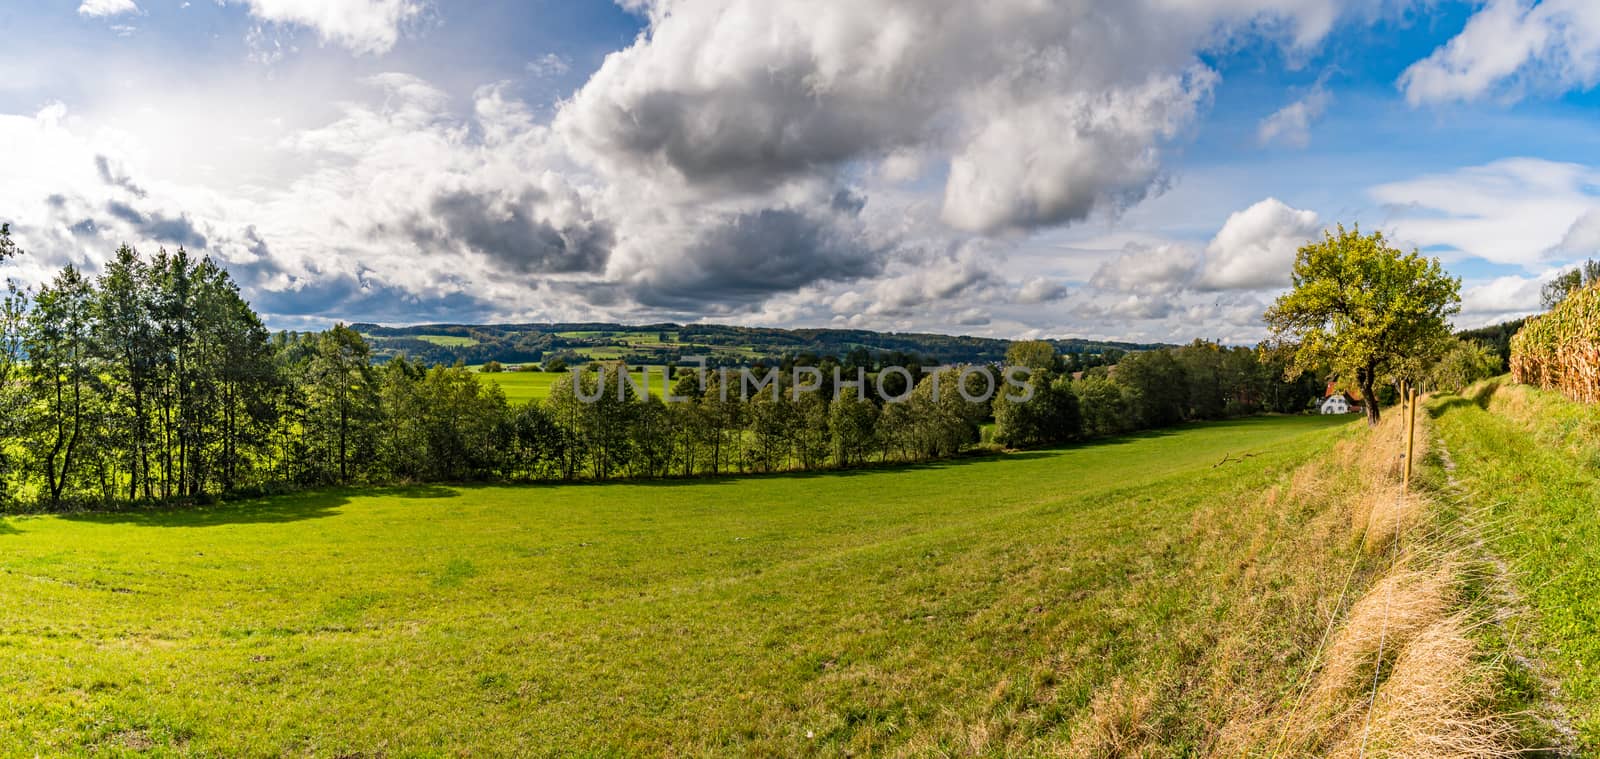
{"type": "Point", "coordinates": [669, 343]}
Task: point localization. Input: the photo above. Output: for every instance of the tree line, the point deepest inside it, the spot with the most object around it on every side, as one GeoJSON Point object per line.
{"type": "Point", "coordinates": [156, 382]}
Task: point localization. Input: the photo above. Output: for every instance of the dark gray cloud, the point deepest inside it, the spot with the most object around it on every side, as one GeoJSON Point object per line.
{"type": "Point", "coordinates": [512, 235]}
{"type": "Point", "coordinates": [116, 178]}
{"type": "Point", "coordinates": [345, 297]}
{"type": "Point", "coordinates": [748, 135]}
{"type": "Point", "coordinates": [754, 256]}
{"type": "Point", "coordinates": [159, 227]}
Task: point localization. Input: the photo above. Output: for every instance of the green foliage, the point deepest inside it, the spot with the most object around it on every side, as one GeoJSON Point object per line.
{"type": "Point", "coordinates": [1049, 415]}
{"type": "Point", "coordinates": [1365, 309]}
{"type": "Point", "coordinates": [1496, 337]}
{"type": "Point", "coordinates": [493, 367]}
{"type": "Point", "coordinates": [1464, 363]}
{"type": "Point", "coordinates": [1585, 275]}
{"type": "Point", "coordinates": [1038, 355]}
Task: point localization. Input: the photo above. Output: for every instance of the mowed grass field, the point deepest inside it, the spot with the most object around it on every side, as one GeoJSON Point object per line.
{"type": "Point", "coordinates": [1005, 604]}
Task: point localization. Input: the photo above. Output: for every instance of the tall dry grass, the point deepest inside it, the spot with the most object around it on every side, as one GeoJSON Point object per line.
{"type": "Point", "coordinates": [1399, 673]}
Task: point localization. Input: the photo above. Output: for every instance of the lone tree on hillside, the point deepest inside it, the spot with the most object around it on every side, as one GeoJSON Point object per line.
{"type": "Point", "coordinates": [1364, 308]}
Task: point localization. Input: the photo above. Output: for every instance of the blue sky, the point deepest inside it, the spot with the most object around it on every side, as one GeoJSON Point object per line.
{"type": "Point", "coordinates": [1139, 169]}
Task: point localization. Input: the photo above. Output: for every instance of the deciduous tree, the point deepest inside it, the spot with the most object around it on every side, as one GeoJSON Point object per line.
{"type": "Point", "coordinates": [1365, 308]}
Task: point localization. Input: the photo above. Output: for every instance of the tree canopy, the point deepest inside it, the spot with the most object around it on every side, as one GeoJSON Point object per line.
{"type": "Point", "coordinates": [1368, 310]}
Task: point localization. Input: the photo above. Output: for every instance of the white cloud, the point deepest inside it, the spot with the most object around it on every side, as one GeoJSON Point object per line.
{"type": "Point", "coordinates": [548, 65]}
{"type": "Point", "coordinates": [104, 8]}
{"type": "Point", "coordinates": [1499, 299]}
{"type": "Point", "coordinates": [362, 26]}
{"type": "Point", "coordinates": [1291, 124]}
{"type": "Point", "coordinates": [1583, 237]}
{"type": "Point", "coordinates": [1041, 290]}
{"type": "Point", "coordinates": [1509, 46]}
{"type": "Point", "coordinates": [1256, 247]}
{"type": "Point", "coordinates": [1514, 211]}
{"type": "Point", "coordinates": [1159, 269]}
{"type": "Point", "coordinates": [1043, 113]}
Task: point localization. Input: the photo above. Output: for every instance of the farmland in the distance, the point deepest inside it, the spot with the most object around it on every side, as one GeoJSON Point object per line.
{"type": "Point", "coordinates": [996, 603]}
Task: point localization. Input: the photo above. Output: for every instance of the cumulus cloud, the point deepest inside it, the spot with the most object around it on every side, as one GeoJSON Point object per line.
{"type": "Point", "coordinates": [1291, 124]}
{"type": "Point", "coordinates": [1500, 299]}
{"type": "Point", "coordinates": [1043, 113]}
{"type": "Point", "coordinates": [1041, 291]}
{"type": "Point", "coordinates": [913, 285]}
{"type": "Point", "coordinates": [362, 26]}
{"type": "Point", "coordinates": [1256, 247]}
{"type": "Point", "coordinates": [1509, 46]}
{"type": "Point", "coordinates": [1149, 269]}
{"type": "Point", "coordinates": [106, 8]}
{"type": "Point", "coordinates": [751, 256]}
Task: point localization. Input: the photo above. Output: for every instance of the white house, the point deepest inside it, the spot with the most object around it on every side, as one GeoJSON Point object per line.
{"type": "Point", "coordinates": [1336, 404]}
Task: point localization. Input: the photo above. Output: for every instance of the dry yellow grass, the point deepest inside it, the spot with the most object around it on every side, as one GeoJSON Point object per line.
{"type": "Point", "coordinates": [1432, 704]}
{"type": "Point", "coordinates": [1405, 633]}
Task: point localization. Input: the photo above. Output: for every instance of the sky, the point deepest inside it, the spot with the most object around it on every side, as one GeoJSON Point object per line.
{"type": "Point", "coordinates": [1119, 169]}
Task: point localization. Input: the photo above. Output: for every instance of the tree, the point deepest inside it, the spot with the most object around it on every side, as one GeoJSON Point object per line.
{"type": "Point", "coordinates": [13, 332]}
{"type": "Point", "coordinates": [1587, 274]}
{"type": "Point", "coordinates": [1364, 308]}
{"type": "Point", "coordinates": [1037, 355]}
{"type": "Point", "coordinates": [343, 397]}
{"type": "Point", "coordinates": [1159, 390]}
{"type": "Point", "coordinates": [852, 423]}
{"type": "Point", "coordinates": [63, 374]}
{"type": "Point", "coordinates": [1464, 363]}
{"type": "Point", "coordinates": [493, 367]}
{"type": "Point", "coordinates": [1050, 415]}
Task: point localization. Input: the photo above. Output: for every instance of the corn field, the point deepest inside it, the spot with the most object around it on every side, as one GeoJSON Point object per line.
{"type": "Point", "coordinates": [1561, 350]}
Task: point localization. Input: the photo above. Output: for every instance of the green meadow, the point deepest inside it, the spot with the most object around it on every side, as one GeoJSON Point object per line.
{"type": "Point", "coordinates": [521, 387]}
{"type": "Point", "coordinates": [978, 604]}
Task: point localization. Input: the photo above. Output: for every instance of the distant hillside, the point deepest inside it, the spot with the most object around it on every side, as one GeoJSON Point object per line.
{"type": "Point", "coordinates": [666, 342]}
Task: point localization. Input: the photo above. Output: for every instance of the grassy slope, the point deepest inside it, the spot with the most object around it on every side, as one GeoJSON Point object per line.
{"type": "Point", "coordinates": [1016, 603]}
{"type": "Point", "coordinates": [1533, 459]}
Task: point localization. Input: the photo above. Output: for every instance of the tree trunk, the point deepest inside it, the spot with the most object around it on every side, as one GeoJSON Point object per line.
{"type": "Point", "coordinates": [1365, 379]}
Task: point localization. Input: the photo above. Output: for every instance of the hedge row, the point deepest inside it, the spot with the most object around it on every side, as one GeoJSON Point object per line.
{"type": "Point", "coordinates": [1561, 350]}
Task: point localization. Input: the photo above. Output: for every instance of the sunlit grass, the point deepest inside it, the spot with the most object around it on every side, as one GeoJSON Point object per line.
{"type": "Point", "coordinates": [988, 602]}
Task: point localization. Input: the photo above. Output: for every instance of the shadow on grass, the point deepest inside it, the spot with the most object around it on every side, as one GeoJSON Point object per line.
{"type": "Point", "coordinates": [7, 529]}
{"type": "Point", "coordinates": [317, 504]}
{"type": "Point", "coordinates": [294, 507]}
{"type": "Point", "coordinates": [893, 467]}
{"type": "Point", "coordinates": [1473, 398]}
